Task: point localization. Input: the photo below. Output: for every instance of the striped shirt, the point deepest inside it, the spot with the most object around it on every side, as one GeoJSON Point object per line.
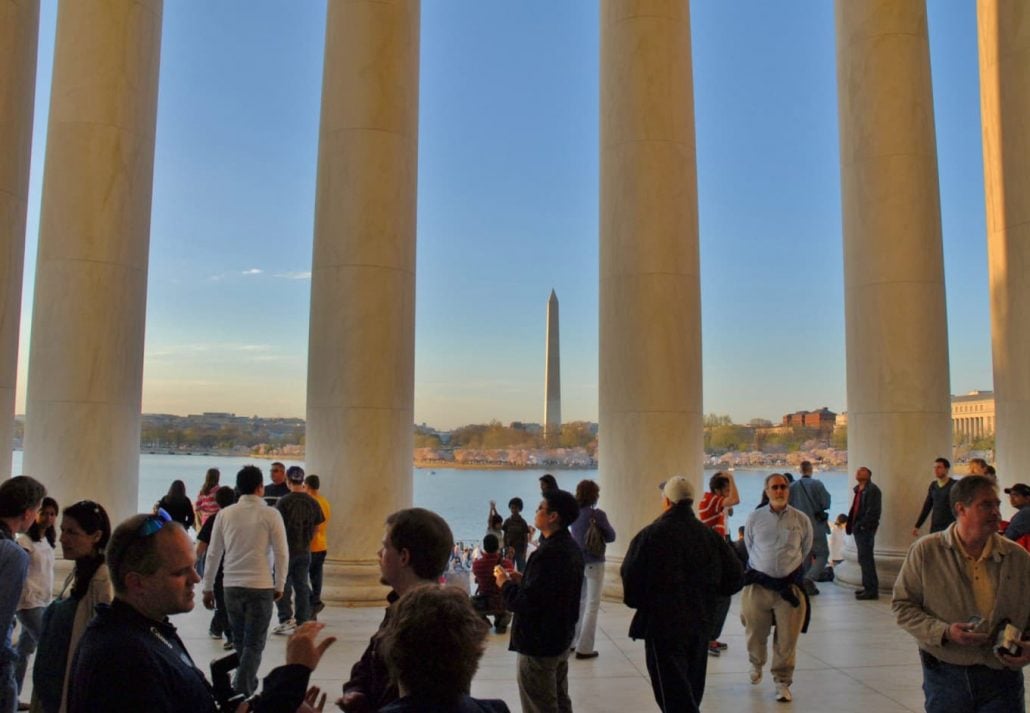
{"type": "Point", "coordinates": [712, 512]}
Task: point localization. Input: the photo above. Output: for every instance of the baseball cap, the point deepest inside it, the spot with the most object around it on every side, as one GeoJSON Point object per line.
{"type": "Point", "coordinates": [678, 488]}
{"type": "Point", "coordinates": [295, 474]}
{"type": "Point", "coordinates": [1019, 489]}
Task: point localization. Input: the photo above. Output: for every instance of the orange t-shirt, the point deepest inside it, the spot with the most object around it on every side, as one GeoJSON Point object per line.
{"type": "Point", "coordinates": [318, 542]}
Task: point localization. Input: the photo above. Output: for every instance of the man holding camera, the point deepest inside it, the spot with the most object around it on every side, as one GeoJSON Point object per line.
{"type": "Point", "coordinates": [962, 594]}
{"type": "Point", "coordinates": [131, 657]}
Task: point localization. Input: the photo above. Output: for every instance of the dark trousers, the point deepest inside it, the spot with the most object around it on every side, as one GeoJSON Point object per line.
{"type": "Point", "coordinates": [970, 689]}
{"type": "Point", "coordinates": [719, 613]}
{"type": "Point", "coordinates": [677, 668]}
{"type": "Point", "coordinates": [315, 572]}
{"type": "Point", "coordinates": [220, 619]}
{"type": "Point", "coordinates": [864, 544]}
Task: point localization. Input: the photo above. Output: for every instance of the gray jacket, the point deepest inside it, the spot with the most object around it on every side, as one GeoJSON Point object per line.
{"type": "Point", "coordinates": [933, 591]}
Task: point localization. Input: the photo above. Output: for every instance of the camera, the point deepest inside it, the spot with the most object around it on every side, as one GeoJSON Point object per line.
{"type": "Point", "coordinates": [221, 682]}
{"type": "Point", "coordinates": [1008, 638]}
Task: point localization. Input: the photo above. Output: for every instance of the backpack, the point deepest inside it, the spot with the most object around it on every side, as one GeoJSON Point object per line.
{"type": "Point", "coordinates": [594, 543]}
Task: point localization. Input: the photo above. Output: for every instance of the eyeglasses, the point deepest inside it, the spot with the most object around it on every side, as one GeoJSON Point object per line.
{"type": "Point", "coordinates": [777, 487]}
{"type": "Point", "coordinates": [153, 523]}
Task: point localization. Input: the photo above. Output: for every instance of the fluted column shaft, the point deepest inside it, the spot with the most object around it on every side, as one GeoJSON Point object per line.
{"type": "Point", "coordinates": [899, 412]}
{"type": "Point", "coordinates": [19, 37]}
{"type": "Point", "coordinates": [360, 407]}
{"type": "Point", "coordinates": [86, 359]}
{"type": "Point", "coordinates": [650, 300]}
{"type": "Point", "coordinates": [1004, 38]}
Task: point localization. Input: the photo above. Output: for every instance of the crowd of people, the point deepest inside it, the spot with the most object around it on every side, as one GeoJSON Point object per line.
{"type": "Point", "coordinates": [105, 642]}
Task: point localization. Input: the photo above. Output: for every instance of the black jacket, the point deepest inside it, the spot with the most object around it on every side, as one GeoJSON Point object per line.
{"type": "Point", "coordinates": [546, 603]}
{"type": "Point", "coordinates": [674, 569]}
{"type": "Point", "coordinates": [369, 675]}
{"type": "Point", "coordinates": [867, 519]}
{"type": "Point", "coordinates": [466, 704]}
{"type": "Point", "coordinates": [127, 662]}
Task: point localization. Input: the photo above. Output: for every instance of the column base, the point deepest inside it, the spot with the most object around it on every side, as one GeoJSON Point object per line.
{"type": "Point", "coordinates": [353, 582]}
{"type": "Point", "coordinates": [888, 565]}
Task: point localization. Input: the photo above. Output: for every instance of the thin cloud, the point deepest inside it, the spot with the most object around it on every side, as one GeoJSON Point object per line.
{"type": "Point", "coordinates": [294, 275]}
{"type": "Point", "coordinates": [253, 271]}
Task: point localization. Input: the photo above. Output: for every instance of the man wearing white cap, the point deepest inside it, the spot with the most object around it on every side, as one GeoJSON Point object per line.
{"type": "Point", "coordinates": [777, 537]}
{"type": "Point", "coordinates": [673, 572]}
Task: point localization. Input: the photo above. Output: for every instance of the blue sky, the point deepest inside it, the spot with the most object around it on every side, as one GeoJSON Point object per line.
{"type": "Point", "coordinates": [508, 205]}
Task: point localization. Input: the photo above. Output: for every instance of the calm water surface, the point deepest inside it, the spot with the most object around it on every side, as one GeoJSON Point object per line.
{"type": "Point", "coordinates": [462, 497]}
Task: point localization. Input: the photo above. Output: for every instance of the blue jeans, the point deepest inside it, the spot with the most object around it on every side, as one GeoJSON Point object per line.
{"type": "Point", "coordinates": [250, 611]}
{"type": "Point", "coordinates": [31, 621]}
{"type": "Point", "coordinates": [8, 688]}
{"type": "Point", "coordinates": [970, 689]}
{"type": "Point", "coordinates": [315, 572]}
{"type": "Point", "coordinates": [296, 581]}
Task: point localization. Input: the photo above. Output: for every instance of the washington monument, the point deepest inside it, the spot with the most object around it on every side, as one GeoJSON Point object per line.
{"type": "Point", "coordinates": [552, 373]}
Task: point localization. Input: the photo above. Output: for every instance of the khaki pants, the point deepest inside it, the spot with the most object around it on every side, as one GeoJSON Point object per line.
{"type": "Point", "coordinates": [544, 683]}
{"type": "Point", "coordinates": [760, 610]}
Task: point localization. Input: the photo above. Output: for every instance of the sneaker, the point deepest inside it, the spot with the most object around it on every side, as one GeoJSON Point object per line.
{"type": "Point", "coordinates": [285, 628]}
{"type": "Point", "coordinates": [228, 646]}
{"type": "Point", "coordinates": [213, 635]}
{"type": "Point", "coordinates": [713, 649]}
{"type": "Point", "coordinates": [591, 655]}
{"type": "Point", "coordinates": [317, 608]}
{"type": "Point", "coordinates": [783, 693]}
{"type": "Point", "coordinates": [722, 646]}
{"type": "Point", "coordinates": [756, 675]}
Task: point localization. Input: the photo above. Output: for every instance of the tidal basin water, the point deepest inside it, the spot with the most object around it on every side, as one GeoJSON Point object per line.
{"type": "Point", "coordinates": [461, 496]}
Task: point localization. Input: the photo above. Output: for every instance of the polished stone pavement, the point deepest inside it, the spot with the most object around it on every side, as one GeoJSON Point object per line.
{"type": "Point", "coordinates": [854, 658]}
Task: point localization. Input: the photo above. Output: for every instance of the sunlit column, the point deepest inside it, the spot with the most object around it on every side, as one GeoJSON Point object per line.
{"type": "Point", "coordinates": [896, 328]}
{"type": "Point", "coordinates": [650, 300]}
{"type": "Point", "coordinates": [86, 359]}
{"type": "Point", "coordinates": [360, 408]}
{"type": "Point", "coordinates": [1004, 37]}
{"type": "Point", "coordinates": [19, 35]}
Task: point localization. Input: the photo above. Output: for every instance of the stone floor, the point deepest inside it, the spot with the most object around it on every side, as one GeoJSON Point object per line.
{"type": "Point", "coordinates": [854, 658]}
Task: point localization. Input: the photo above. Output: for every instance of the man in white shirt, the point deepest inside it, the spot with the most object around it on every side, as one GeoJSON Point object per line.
{"type": "Point", "coordinates": [777, 537]}
{"type": "Point", "coordinates": [245, 533]}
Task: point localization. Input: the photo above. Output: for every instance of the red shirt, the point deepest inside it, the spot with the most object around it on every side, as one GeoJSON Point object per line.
{"type": "Point", "coordinates": [483, 571]}
{"type": "Point", "coordinates": [712, 512]}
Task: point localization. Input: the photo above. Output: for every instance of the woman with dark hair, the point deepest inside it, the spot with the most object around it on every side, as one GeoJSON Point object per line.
{"type": "Point", "coordinates": [39, 541]}
{"type": "Point", "coordinates": [592, 532]}
{"type": "Point", "coordinates": [206, 506]}
{"type": "Point", "coordinates": [177, 505]}
{"type": "Point", "coordinates": [85, 530]}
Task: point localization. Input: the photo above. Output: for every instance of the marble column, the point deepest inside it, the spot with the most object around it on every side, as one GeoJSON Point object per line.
{"type": "Point", "coordinates": [19, 36]}
{"type": "Point", "coordinates": [650, 300]}
{"type": "Point", "coordinates": [86, 359]}
{"type": "Point", "coordinates": [360, 406]}
{"type": "Point", "coordinates": [899, 409]}
{"type": "Point", "coordinates": [1004, 38]}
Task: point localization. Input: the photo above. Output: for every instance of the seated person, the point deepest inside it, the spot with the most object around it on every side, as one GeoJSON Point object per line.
{"type": "Point", "coordinates": [488, 598]}
{"type": "Point", "coordinates": [432, 645]}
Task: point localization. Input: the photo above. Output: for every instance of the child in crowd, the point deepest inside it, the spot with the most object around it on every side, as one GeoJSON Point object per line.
{"type": "Point", "coordinates": [837, 539]}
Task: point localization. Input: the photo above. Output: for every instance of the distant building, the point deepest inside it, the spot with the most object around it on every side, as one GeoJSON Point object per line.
{"type": "Point", "coordinates": [972, 415]}
{"type": "Point", "coordinates": [842, 420]}
{"type": "Point", "coordinates": [824, 419]}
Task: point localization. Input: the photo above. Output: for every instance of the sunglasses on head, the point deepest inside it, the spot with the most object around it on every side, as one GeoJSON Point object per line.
{"type": "Point", "coordinates": [153, 523]}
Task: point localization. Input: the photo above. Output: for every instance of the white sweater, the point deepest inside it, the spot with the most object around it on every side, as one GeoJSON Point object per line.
{"type": "Point", "coordinates": [246, 533]}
